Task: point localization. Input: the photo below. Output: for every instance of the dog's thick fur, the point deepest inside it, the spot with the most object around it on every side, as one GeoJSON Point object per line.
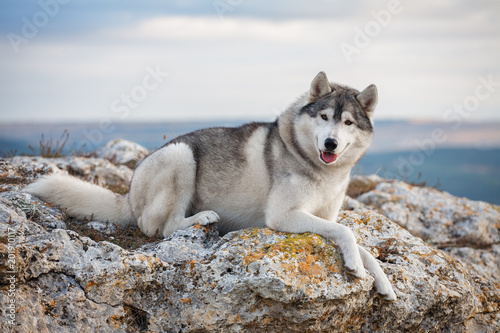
{"type": "Point", "coordinates": [290, 175]}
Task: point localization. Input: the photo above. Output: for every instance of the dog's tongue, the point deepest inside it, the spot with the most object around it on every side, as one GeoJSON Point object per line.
{"type": "Point", "coordinates": [328, 157]}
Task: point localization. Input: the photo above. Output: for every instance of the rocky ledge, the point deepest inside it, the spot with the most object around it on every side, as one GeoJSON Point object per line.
{"type": "Point", "coordinates": [440, 252]}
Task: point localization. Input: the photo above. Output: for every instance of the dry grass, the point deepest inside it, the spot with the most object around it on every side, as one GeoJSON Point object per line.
{"type": "Point", "coordinates": [129, 238]}
{"type": "Point", "coordinates": [50, 149]}
{"type": "Point", "coordinates": [358, 187]}
{"type": "Point", "coordinates": [5, 179]}
{"type": "Point", "coordinates": [118, 189]}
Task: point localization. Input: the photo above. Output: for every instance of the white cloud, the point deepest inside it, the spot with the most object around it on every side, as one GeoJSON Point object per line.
{"type": "Point", "coordinates": [186, 29]}
{"type": "Point", "coordinates": [422, 62]}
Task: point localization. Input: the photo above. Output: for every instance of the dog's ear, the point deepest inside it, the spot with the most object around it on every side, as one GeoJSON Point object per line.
{"type": "Point", "coordinates": [319, 87]}
{"type": "Point", "coordinates": [368, 99]}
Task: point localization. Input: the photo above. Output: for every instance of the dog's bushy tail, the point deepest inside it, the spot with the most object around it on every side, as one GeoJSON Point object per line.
{"type": "Point", "coordinates": [82, 199]}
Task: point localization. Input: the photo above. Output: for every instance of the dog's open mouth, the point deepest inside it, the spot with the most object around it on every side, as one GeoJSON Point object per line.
{"type": "Point", "coordinates": [328, 157]}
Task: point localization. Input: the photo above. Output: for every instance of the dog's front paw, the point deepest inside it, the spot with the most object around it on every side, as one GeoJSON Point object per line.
{"type": "Point", "coordinates": [355, 267]}
{"type": "Point", "coordinates": [390, 296]}
{"type": "Point", "coordinates": [384, 288]}
{"type": "Point", "coordinates": [206, 217]}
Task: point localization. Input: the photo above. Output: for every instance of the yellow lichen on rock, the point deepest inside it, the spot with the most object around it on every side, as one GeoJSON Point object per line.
{"type": "Point", "coordinates": [306, 258]}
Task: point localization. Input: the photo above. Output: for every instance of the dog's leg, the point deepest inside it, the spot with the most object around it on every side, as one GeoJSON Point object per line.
{"type": "Point", "coordinates": [181, 222]}
{"type": "Point", "coordinates": [158, 217]}
{"type": "Point", "coordinates": [298, 221]}
{"type": "Point", "coordinates": [382, 283]}
{"type": "Point", "coordinates": [162, 191]}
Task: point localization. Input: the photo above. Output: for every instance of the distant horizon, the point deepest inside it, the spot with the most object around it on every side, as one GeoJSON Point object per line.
{"type": "Point", "coordinates": [390, 135]}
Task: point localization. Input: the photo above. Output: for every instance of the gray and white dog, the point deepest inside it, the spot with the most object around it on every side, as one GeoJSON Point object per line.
{"type": "Point", "coordinates": [290, 175]}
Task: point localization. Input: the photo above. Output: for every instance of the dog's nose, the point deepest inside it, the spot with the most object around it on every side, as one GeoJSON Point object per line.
{"type": "Point", "coordinates": [331, 144]}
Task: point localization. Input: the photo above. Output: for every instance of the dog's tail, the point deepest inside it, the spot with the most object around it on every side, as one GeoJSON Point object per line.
{"type": "Point", "coordinates": [82, 199]}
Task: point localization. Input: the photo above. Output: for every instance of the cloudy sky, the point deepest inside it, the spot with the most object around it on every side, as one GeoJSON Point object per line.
{"type": "Point", "coordinates": [152, 60]}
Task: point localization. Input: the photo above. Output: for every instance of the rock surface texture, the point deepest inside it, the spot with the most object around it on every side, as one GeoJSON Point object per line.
{"type": "Point", "coordinates": [444, 270]}
{"type": "Point", "coordinates": [123, 152]}
{"type": "Point", "coordinates": [467, 230]}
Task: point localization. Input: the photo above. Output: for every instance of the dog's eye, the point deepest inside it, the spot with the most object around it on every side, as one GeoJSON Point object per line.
{"type": "Point", "coordinates": [324, 117]}
{"type": "Point", "coordinates": [348, 122]}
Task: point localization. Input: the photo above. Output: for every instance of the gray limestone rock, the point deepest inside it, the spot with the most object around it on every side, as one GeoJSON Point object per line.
{"type": "Point", "coordinates": [121, 151]}
{"type": "Point", "coordinates": [466, 229]}
{"type": "Point", "coordinates": [249, 280]}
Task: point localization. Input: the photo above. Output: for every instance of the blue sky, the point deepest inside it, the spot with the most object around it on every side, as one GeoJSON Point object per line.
{"type": "Point", "coordinates": [71, 60]}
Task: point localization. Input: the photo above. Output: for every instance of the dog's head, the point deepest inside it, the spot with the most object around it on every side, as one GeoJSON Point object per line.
{"type": "Point", "coordinates": [337, 121]}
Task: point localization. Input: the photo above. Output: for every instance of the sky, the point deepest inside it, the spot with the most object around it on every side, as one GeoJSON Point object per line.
{"type": "Point", "coordinates": [152, 60]}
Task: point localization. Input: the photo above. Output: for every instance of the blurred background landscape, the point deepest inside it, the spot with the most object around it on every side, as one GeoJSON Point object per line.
{"type": "Point", "coordinates": [151, 70]}
{"type": "Point", "coordinates": [466, 164]}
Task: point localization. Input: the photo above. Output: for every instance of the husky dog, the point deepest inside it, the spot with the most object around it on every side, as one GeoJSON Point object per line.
{"type": "Point", "coordinates": [290, 175]}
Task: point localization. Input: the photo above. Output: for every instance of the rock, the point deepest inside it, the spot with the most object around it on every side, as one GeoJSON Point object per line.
{"type": "Point", "coordinates": [483, 262]}
{"type": "Point", "coordinates": [99, 171]}
{"type": "Point", "coordinates": [104, 227]}
{"type": "Point", "coordinates": [246, 281]}
{"type": "Point", "coordinates": [468, 230]}
{"type": "Point", "coordinates": [24, 169]}
{"type": "Point", "coordinates": [67, 309]}
{"type": "Point", "coordinates": [353, 204]}
{"type": "Point", "coordinates": [362, 184]}
{"type": "Point", "coordinates": [48, 217]}
{"type": "Point", "coordinates": [125, 152]}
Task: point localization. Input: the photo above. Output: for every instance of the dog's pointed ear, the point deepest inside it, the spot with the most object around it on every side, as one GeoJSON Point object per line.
{"type": "Point", "coordinates": [319, 87]}
{"type": "Point", "coordinates": [368, 99]}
